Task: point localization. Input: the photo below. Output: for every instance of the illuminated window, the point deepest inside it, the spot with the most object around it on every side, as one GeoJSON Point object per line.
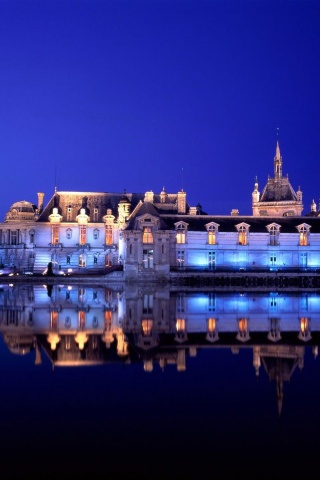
{"type": "Point", "coordinates": [303, 236]}
{"type": "Point", "coordinates": [242, 235]}
{"type": "Point", "coordinates": [109, 235]}
{"type": "Point", "coordinates": [181, 234]}
{"type": "Point", "coordinates": [55, 234]}
{"type": "Point", "coordinates": [83, 234]}
{"type": "Point", "coordinates": [212, 229]}
{"type": "Point", "coordinates": [147, 236]}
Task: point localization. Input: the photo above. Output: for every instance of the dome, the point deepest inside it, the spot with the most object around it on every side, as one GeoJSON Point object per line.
{"type": "Point", "coordinates": [22, 210]}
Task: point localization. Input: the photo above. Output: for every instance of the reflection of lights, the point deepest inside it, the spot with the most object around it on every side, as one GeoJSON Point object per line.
{"type": "Point", "coordinates": [212, 330]}
{"type": "Point", "coordinates": [212, 324]}
{"type": "Point", "coordinates": [181, 335]}
{"type": "Point", "coordinates": [243, 330]}
{"type": "Point", "coordinates": [146, 326]}
{"type": "Point", "coordinates": [180, 324]}
{"type": "Point", "coordinates": [304, 333]}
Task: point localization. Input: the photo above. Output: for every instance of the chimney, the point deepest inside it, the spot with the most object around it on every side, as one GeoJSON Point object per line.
{"type": "Point", "coordinates": [40, 201]}
{"type": "Point", "coordinates": [182, 203]}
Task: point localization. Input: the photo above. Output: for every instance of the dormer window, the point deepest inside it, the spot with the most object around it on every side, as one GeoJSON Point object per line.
{"type": "Point", "coordinates": [212, 229]}
{"type": "Point", "coordinates": [243, 233]}
{"type": "Point", "coordinates": [304, 232]}
{"type": "Point", "coordinates": [181, 232]}
{"type": "Point", "coordinates": [274, 232]}
{"type": "Point", "coordinates": [147, 236]}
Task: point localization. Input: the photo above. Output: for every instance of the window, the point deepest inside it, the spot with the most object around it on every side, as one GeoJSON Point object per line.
{"type": "Point", "coordinates": [147, 236]}
{"type": "Point", "coordinates": [303, 236]}
{"type": "Point", "coordinates": [31, 236]}
{"type": "Point", "coordinates": [274, 235]}
{"type": "Point", "coordinates": [273, 260]}
{"type": "Point", "coordinates": [147, 259]}
{"type": "Point", "coordinates": [242, 235]}
{"type": "Point", "coordinates": [108, 260]}
{"type": "Point", "coordinates": [109, 235]}
{"type": "Point", "coordinates": [82, 260]}
{"type": "Point", "coordinates": [212, 229]}
{"type": "Point", "coordinates": [68, 259]}
{"type": "Point", "coordinates": [69, 233]}
{"type": "Point", "coordinates": [95, 234]}
{"type": "Point", "coordinates": [211, 260]}
{"type": "Point", "coordinates": [181, 233]}
{"type": "Point", "coordinates": [55, 234]}
{"type": "Point", "coordinates": [83, 234]}
{"type": "Point", "coordinates": [303, 260]}
{"type": "Point", "coordinates": [211, 302]}
{"type": "Point", "coordinates": [147, 304]}
{"type": "Point", "coordinates": [180, 258]}
{"type": "Point", "coordinates": [95, 214]}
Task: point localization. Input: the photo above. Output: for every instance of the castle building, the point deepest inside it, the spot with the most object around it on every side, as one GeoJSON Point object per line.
{"type": "Point", "coordinates": [153, 235]}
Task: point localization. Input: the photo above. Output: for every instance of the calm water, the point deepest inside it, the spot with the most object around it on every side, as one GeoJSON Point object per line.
{"type": "Point", "coordinates": [80, 414]}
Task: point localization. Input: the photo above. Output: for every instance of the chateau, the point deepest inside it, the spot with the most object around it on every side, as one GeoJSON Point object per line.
{"type": "Point", "coordinates": [154, 235]}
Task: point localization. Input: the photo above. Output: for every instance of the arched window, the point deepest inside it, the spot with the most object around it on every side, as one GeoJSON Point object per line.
{"type": "Point", "coordinates": [181, 233]}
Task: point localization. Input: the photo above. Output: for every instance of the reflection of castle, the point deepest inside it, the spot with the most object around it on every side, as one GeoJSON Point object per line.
{"type": "Point", "coordinates": [91, 325]}
{"type": "Point", "coordinates": [156, 234]}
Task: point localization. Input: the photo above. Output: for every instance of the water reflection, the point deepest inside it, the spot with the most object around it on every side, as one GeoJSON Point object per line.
{"type": "Point", "coordinates": [81, 325]}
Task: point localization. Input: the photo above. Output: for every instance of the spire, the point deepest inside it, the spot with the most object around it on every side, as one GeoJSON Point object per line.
{"type": "Point", "coordinates": [277, 163]}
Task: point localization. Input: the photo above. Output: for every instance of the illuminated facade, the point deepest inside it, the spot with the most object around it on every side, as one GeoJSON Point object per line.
{"type": "Point", "coordinates": [152, 235]}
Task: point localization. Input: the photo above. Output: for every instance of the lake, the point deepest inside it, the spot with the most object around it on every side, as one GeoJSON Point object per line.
{"type": "Point", "coordinates": [149, 382]}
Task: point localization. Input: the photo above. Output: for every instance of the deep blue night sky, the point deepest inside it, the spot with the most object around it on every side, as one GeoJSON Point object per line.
{"type": "Point", "coordinates": [138, 94]}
